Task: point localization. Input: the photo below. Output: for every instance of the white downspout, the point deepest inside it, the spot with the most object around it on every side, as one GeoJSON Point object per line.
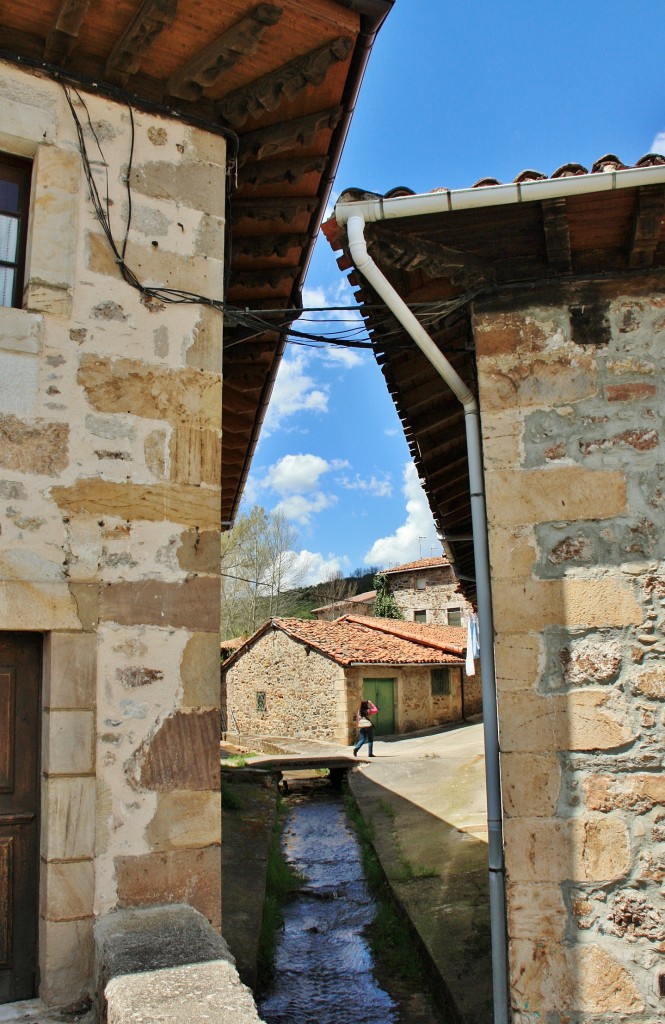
{"type": "Point", "coordinates": [355, 226]}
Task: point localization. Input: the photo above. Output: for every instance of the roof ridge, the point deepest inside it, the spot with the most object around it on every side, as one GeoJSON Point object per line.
{"type": "Point", "coordinates": [396, 631]}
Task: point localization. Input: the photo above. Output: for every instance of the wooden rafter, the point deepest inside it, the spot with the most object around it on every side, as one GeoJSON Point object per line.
{"type": "Point", "coordinates": [557, 235]}
{"type": "Point", "coordinates": [647, 226]}
{"type": "Point", "coordinates": [279, 138]}
{"type": "Point", "coordinates": [65, 29]}
{"type": "Point", "coordinates": [151, 18]}
{"type": "Point", "coordinates": [278, 172]}
{"type": "Point", "coordinates": [268, 245]}
{"type": "Point", "coordinates": [284, 209]}
{"type": "Point", "coordinates": [270, 91]}
{"type": "Point", "coordinates": [206, 68]}
{"type": "Point", "coordinates": [411, 252]}
{"type": "Point", "coordinates": [258, 279]}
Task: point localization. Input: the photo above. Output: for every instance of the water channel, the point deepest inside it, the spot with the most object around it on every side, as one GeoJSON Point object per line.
{"type": "Point", "coordinates": [324, 971]}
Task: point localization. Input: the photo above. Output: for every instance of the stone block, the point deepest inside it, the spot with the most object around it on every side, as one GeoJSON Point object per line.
{"type": "Point", "coordinates": [59, 170]}
{"type": "Point", "coordinates": [70, 670]}
{"type": "Point", "coordinates": [156, 503]}
{"type": "Point", "coordinates": [183, 754]}
{"type": "Point", "coordinates": [512, 552]}
{"type": "Point", "coordinates": [66, 961]}
{"type": "Point", "coordinates": [186, 396]}
{"type": "Point", "coordinates": [44, 606]}
{"type": "Point", "coordinates": [20, 331]}
{"type": "Point", "coordinates": [19, 373]}
{"type": "Point", "coordinates": [517, 656]}
{"type": "Point", "coordinates": [192, 604]}
{"type": "Point", "coordinates": [554, 494]}
{"type": "Point", "coordinates": [196, 456]}
{"type": "Point", "coordinates": [156, 266]}
{"type": "Point", "coordinates": [68, 890]}
{"type": "Point", "coordinates": [532, 605]}
{"type": "Point", "coordinates": [154, 452]}
{"type": "Point", "coordinates": [530, 784]}
{"type": "Point", "coordinates": [206, 348]}
{"type": "Point", "coordinates": [197, 185]}
{"type": "Point", "coordinates": [499, 334]}
{"type": "Point", "coordinates": [37, 448]}
{"type": "Point", "coordinates": [536, 912]}
{"type": "Point", "coordinates": [68, 818]}
{"type": "Point", "coordinates": [52, 258]}
{"type": "Point", "coordinates": [602, 985]}
{"type": "Point", "coordinates": [185, 820]}
{"type": "Point", "coordinates": [540, 977]}
{"type": "Point", "coordinates": [632, 392]}
{"type": "Point", "coordinates": [582, 720]}
{"type": "Point", "coordinates": [555, 851]}
{"type": "Point", "coordinates": [176, 876]}
{"type": "Point", "coordinates": [639, 792]}
{"type": "Point", "coordinates": [200, 671]}
{"type": "Point", "coordinates": [650, 682]}
{"type": "Point", "coordinates": [27, 123]}
{"type": "Point", "coordinates": [68, 742]}
{"type": "Point", "coordinates": [533, 383]}
{"type": "Point", "coordinates": [86, 599]}
{"type": "Point", "coordinates": [200, 551]}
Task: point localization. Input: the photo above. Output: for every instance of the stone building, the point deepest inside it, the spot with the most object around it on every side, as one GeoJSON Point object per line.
{"type": "Point", "coordinates": [305, 678]}
{"type": "Point", "coordinates": [554, 320]}
{"type": "Point", "coordinates": [359, 604]}
{"type": "Point", "coordinates": [122, 458]}
{"type": "Point", "coordinates": [427, 591]}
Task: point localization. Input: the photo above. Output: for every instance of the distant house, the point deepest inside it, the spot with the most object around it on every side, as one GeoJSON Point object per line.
{"type": "Point", "coordinates": [305, 678]}
{"type": "Point", "coordinates": [427, 591]}
{"type": "Point", "coordinates": [359, 604]}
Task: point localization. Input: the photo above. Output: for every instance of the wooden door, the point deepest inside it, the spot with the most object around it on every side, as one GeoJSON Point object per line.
{"type": "Point", "coordinates": [20, 713]}
{"type": "Point", "coordinates": [381, 692]}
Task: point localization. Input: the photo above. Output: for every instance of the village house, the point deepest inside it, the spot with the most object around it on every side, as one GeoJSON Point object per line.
{"type": "Point", "coordinates": [359, 604]}
{"type": "Point", "coordinates": [427, 591]}
{"type": "Point", "coordinates": [131, 136]}
{"type": "Point", "coordinates": [551, 301]}
{"type": "Point", "coordinates": [305, 679]}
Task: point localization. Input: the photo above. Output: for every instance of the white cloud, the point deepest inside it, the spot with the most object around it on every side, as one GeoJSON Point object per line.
{"type": "Point", "coordinates": [347, 358]}
{"type": "Point", "coordinates": [658, 144]}
{"type": "Point", "coordinates": [376, 487]}
{"type": "Point", "coordinates": [317, 567]}
{"type": "Point", "coordinates": [295, 391]}
{"type": "Point", "coordinates": [296, 474]}
{"type": "Point", "coordinates": [300, 508]}
{"type": "Point", "coordinates": [416, 537]}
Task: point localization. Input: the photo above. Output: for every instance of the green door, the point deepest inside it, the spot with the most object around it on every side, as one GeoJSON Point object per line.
{"type": "Point", "coordinates": [382, 693]}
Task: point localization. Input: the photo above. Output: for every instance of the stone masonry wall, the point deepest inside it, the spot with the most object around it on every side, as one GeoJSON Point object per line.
{"type": "Point", "coordinates": [305, 692]}
{"type": "Point", "coordinates": [110, 415]}
{"type": "Point", "coordinates": [574, 455]}
{"type": "Point", "coordinates": [439, 594]}
{"type": "Point", "coordinates": [414, 706]}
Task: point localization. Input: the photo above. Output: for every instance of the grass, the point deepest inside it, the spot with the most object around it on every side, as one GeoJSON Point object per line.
{"type": "Point", "coordinates": [409, 872]}
{"type": "Point", "coordinates": [387, 809]}
{"type": "Point", "coordinates": [230, 800]}
{"type": "Point", "coordinates": [281, 881]}
{"type": "Point", "coordinates": [240, 760]}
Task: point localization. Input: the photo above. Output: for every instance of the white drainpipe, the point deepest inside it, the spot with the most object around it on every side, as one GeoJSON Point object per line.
{"type": "Point", "coordinates": [364, 263]}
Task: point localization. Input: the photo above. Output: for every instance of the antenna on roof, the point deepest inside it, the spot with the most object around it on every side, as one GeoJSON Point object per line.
{"type": "Point", "coordinates": [420, 545]}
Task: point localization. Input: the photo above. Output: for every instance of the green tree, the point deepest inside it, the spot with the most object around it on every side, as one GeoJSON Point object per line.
{"type": "Point", "coordinates": [385, 605]}
{"type": "Point", "coordinates": [260, 562]}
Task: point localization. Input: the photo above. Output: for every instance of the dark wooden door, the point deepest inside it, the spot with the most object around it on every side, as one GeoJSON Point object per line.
{"type": "Point", "coordinates": [20, 713]}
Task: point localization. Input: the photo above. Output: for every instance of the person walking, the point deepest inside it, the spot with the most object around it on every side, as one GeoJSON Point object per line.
{"type": "Point", "coordinates": [366, 726]}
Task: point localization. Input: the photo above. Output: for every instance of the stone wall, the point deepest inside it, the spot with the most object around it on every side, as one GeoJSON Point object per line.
{"type": "Point", "coordinates": [438, 595]}
{"type": "Point", "coordinates": [110, 478]}
{"type": "Point", "coordinates": [304, 691]}
{"type": "Point", "coordinates": [575, 469]}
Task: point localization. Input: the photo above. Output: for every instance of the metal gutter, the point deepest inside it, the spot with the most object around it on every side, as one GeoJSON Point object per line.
{"type": "Point", "coordinates": [352, 215]}
{"type": "Point", "coordinates": [453, 200]}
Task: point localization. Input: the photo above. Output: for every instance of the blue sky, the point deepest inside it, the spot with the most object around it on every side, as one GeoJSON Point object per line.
{"type": "Point", "coordinates": [452, 93]}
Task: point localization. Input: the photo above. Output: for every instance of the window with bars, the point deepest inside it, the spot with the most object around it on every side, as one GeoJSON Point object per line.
{"type": "Point", "coordinates": [420, 615]}
{"type": "Point", "coordinates": [441, 682]}
{"type": "Point", "coordinates": [261, 700]}
{"type": "Point", "coordinates": [14, 206]}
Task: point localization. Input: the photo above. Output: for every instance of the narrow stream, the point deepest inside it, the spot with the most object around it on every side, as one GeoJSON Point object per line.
{"type": "Point", "coordinates": [323, 964]}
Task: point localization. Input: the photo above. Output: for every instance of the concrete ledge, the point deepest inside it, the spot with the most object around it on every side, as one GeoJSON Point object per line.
{"type": "Point", "coordinates": [167, 963]}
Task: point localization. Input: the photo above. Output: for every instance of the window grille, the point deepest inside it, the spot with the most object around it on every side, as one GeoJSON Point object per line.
{"type": "Point", "coordinates": [441, 682]}
{"type": "Point", "coordinates": [261, 700]}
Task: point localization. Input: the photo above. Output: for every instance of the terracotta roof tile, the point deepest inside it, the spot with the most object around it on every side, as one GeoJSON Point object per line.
{"type": "Point", "coordinates": [448, 638]}
{"type": "Point", "coordinates": [421, 563]}
{"type": "Point", "coordinates": [356, 640]}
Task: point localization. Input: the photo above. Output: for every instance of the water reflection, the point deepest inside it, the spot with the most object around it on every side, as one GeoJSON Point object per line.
{"type": "Point", "coordinates": [323, 965]}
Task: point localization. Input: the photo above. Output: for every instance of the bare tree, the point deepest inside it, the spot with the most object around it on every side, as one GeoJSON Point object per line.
{"type": "Point", "coordinates": [260, 561]}
{"type": "Point", "coordinates": [336, 589]}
